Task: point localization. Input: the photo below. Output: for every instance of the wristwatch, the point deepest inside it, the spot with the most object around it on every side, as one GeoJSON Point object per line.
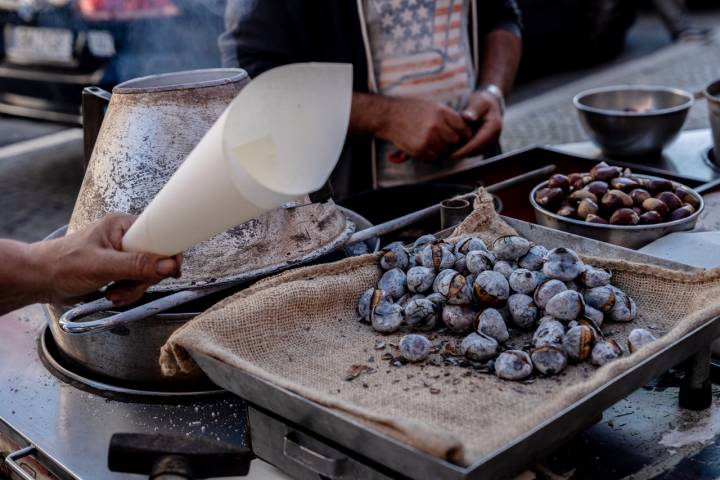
{"type": "Point", "coordinates": [495, 91]}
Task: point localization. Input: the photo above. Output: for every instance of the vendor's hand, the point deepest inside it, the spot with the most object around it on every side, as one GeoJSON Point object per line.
{"type": "Point", "coordinates": [484, 114]}
{"type": "Point", "coordinates": [83, 262]}
{"type": "Point", "coordinates": [423, 129]}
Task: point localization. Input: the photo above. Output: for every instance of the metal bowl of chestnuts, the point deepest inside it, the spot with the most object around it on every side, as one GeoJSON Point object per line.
{"type": "Point", "coordinates": [615, 205]}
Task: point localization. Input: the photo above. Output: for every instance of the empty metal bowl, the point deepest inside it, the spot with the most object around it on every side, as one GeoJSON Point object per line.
{"type": "Point", "coordinates": [630, 236]}
{"type": "Point", "coordinates": [633, 120]}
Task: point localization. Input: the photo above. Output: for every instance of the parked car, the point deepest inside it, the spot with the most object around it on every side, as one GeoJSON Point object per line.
{"type": "Point", "coordinates": [51, 49]}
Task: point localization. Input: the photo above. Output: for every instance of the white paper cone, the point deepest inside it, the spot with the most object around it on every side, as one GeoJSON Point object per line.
{"type": "Point", "coordinates": [279, 139]}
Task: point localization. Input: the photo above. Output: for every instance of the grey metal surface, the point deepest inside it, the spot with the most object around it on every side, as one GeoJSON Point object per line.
{"type": "Point", "coordinates": [72, 427]}
{"type": "Point", "coordinates": [401, 458]}
{"type": "Point", "coordinates": [712, 95]}
{"type": "Point", "coordinates": [631, 236]}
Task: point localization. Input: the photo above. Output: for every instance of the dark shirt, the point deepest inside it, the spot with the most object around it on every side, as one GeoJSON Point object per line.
{"type": "Point", "coordinates": [262, 34]}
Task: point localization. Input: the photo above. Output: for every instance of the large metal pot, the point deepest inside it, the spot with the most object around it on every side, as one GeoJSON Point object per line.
{"type": "Point", "coordinates": [712, 95]}
{"type": "Point", "coordinates": [629, 236]}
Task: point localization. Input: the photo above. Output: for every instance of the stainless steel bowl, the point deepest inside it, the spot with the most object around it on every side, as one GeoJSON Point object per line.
{"type": "Point", "coordinates": [633, 120]}
{"type": "Point", "coordinates": [630, 236]}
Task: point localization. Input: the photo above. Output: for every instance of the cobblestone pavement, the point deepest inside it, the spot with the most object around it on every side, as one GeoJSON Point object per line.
{"type": "Point", "coordinates": [551, 118]}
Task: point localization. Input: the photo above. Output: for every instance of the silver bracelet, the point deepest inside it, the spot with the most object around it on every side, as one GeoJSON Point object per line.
{"type": "Point", "coordinates": [495, 91]}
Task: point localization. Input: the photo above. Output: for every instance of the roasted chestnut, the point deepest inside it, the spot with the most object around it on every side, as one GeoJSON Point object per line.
{"type": "Point", "coordinates": [670, 199]}
{"type": "Point", "coordinates": [510, 248]}
{"type": "Point", "coordinates": [513, 365]}
{"type": "Point", "coordinates": [596, 219]}
{"type": "Point", "coordinates": [604, 352]}
{"type": "Point", "coordinates": [563, 264]}
{"type": "Point", "coordinates": [420, 279]}
{"type": "Point", "coordinates": [656, 205]}
{"type": "Point", "coordinates": [437, 299]}
{"type": "Point", "coordinates": [491, 323]}
{"type": "Point", "coordinates": [559, 181]}
{"type": "Point", "coordinates": [504, 268]}
{"type": "Point", "coordinates": [491, 288]}
{"type": "Point", "coordinates": [549, 332]}
{"type": "Point", "coordinates": [469, 244]}
{"type": "Point", "coordinates": [623, 183]}
{"type": "Point", "coordinates": [394, 255]}
{"type": "Point", "coordinates": [387, 317]}
{"type": "Point", "coordinates": [598, 188]}
{"type": "Point", "coordinates": [577, 342]}
{"type": "Point", "coordinates": [650, 217]}
{"type": "Point", "coordinates": [407, 298]}
{"type": "Point", "coordinates": [595, 276]}
{"type": "Point", "coordinates": [624, 216]}
{"type": "Point", "coordinates": [639, 195]}
{"type": "Point", "coordinates": [453, 286]}
{"type": "Point", "coordinates": [567, 305]}
{"type": "Point", "coordinates": [534, 258]}
{"type": "Point", "coordinates": [687, 196]}
{"type": "Point", "coordinates": [567, 211]}
{"type": "Point", "coordinates": [478, 261]}
{"type": "Point", "coordinates": [479, 347]}
{"type": "Point", "coordinates": [459, 318]}
{"type": "Point", "coordinates": [594, 316]}
{"type": "Point", "coordinates": [549, 197]}
{"type": "Point", "coordinates": [523, 311]}
{"type": "Point", "coordinates": [368, 300]}
{"type": "Point", "coordinates": [523, 281]}
{"type": "Point", "coordinates": [624, 309]}
{"type": "Point", "coordinates": [600, 298]}
{"type": "Point", "coordinates": [586, 207]}
{"type": "Point", "coordinates": [422, 241]}
{"type": "Point", "coordinates": [682, 212]}
{"type": "Point", "coordinates": [547, 290]}
{"type": "Point", "coordinates": [414, 348]}
{"type": "Point", "coordinates": [421, 314]}
{"type": "Point", "coordinates": [394, 282]}
{"type": "Point", "coordinates": [638, 338]}
{"type": "Point", "coordinates": [549, 359]}
{"type": "Point", "coordinates": [615, 199]}
{"type": "Point", "coordinates": [437, 256]}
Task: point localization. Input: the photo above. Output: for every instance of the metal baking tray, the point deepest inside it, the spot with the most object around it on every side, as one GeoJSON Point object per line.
{"type": "Point", "coordinates": [386, 456]}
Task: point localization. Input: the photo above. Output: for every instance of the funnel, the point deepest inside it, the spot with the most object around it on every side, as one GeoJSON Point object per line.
{"type": "Point", "coordinates": [279, 139]}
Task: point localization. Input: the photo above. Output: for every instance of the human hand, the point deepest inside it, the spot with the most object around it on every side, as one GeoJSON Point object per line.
{"type": "Point", "coordinates": [83, 262]}
{"type": "Point", "coordinates": [483, 112]}
{"type": "Point", "coordinates": [423, 129]}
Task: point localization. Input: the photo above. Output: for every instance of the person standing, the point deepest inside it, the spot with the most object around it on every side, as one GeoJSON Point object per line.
{"type": "Point", "coordinates": [430, 76]}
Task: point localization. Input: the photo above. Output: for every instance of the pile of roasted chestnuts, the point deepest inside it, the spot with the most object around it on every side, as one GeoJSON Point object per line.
{"type": "Point", "coordinates": [612, 195]}
{"type": "Point", "coordinates": [490, 294]}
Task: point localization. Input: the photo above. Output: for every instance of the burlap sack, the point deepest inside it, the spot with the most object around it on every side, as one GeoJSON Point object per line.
{"type": "Point", "coordinates": [300, 331]}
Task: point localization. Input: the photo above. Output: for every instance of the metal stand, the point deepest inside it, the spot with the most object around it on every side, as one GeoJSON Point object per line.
{"type": "Point", "coordinates": [696, 390]}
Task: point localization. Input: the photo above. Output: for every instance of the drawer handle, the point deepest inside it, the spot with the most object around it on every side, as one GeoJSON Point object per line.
{"type": "Point", "coordinates": [12, 459]}
{"type": "Point", "coordinates": [315, 461]}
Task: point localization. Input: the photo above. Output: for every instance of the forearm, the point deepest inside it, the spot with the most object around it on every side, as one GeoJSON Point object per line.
{"type": "Point", "coordinates": [369, 113]}
{"type": "Point", "coordinates": [501, 58]}
{"type": "Point", "coordinates": [23, 280]}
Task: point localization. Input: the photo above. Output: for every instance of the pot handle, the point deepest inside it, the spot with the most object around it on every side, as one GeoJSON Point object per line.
{"type": "Point", "coordinates": [70, 321]}
{"type": "Point", "coordinates": [94, 104]}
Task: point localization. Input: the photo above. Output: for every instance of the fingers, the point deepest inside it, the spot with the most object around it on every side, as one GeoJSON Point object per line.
{"type": "Point", "coordinates": [485, 137]}
{"type": "Point", "coordinates": [126, 292]}
{"type": "Point", "coordinates": [459, 126]}
{"type": "Point", "coordinates": [142, 267]}
{"type": "Point", "coordinates": [113, 227]}
{"type": "Point", "coordinates": [477, 109]}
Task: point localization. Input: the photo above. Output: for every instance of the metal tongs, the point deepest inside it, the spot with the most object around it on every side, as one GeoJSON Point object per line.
{"type": "Point", "coordinates": [69, 322]}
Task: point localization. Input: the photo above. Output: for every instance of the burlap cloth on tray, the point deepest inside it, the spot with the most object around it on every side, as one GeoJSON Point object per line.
{"type": "Point", "coordinates": [300, 331]}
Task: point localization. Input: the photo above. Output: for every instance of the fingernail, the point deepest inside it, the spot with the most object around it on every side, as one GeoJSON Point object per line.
{"type": "Point", "coordinates": [165, 267]}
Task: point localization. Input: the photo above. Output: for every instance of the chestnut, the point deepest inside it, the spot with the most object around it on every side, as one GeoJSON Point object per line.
{"type": "Point", "coordinates": [567, 211]}
{"type": "Point", "coordinates": [671, 200]}
{"type": "Point", "coordinates": [639, 195]}
{"type": "Point", "coordinates": [586, 207]}
{"type": "Point", "coordinates": [615, 199]}
{"type": "Point", "coordinates": [576, 180]}
{"type": "Point", "coordinates": [559, 181]}
{"type": "Point", "coordinates": [624, 216]}
{"type": "Point", "coordinates": [577, 196]}
{"type": "Point", "coordinates": [656, 185]}
{"type": "Point", "coordinates": [656, 205]}
{"type": "Point", "coordinates": [549, 197]}
{"type": "Point", "coordinates": [650, 218]}
{"type": "Point", "coordinates": [687, 196]}
{"type": "Point", "coordinates": [598, 188]}
{"type": "Point", "coordinates": [623, 183]}
{"type": "Point", "coordinates": [682, 212]}
{"type": "Point", "coordinates": [605, 173]}
{"type": "Point", "coordinates": [592, 218]}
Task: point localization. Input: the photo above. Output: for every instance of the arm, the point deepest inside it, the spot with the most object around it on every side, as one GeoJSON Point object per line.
{"type": "Point", "coordinates": [66, 270]}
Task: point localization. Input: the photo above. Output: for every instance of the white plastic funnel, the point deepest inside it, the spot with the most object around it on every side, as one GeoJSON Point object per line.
{"type": "Point", "coordinates": [278, 140]}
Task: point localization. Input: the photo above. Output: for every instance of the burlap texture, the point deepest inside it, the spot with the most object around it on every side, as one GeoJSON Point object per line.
{"type": "Point", "coordinates": [300, 331]}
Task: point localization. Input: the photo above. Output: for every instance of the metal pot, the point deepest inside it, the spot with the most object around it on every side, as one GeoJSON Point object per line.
{"type": "Point", "coordinates": [630, 236]}
{"type": "Point", "coordinates": [712, 95]}
{"type": "Point", "coordinates": [129, 350]}
{"type": "Point", "coordinates": [150, 127]}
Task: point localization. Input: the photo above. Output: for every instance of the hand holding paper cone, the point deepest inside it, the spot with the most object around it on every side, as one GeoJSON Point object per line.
{"type": "Point", "coordinates": [278, 140]}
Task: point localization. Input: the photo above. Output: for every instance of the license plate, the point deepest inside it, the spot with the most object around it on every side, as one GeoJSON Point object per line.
{"type": "Point", "coordinates": [38, 44]}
